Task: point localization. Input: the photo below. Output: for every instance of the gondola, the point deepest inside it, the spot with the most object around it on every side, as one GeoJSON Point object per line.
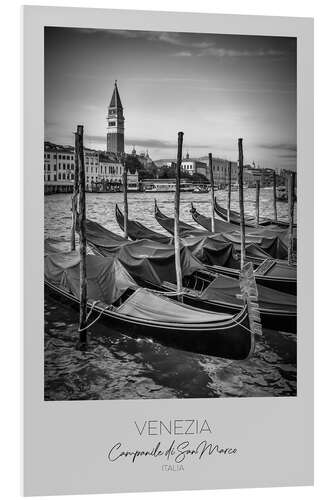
{"type": "Point", "coordinates": [208, 247]}
{"type": "Point", "coordinates": [250, 221]}
{"type": "Point", "coordinates": [152, 265]}
{"type": "Point", "coordinates": [137, 231]}
{"type": "Point", "coordinates": [272, 244]}
{"type": "Point", "coordinates": [252, 234]}
{"type": "Point", "coordinates": [116, 299]}
{"type": "Point", "coordinates": [271, 273]}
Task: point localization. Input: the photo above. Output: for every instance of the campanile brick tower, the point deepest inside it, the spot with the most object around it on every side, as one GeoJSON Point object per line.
{"type": "Point", "coordinates": [115, 124]}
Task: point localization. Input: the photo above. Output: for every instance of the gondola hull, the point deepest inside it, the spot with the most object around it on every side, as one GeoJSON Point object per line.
{"type": "Point", "coordinates": [249, 221]}
{"type": "Point", "coordinates": [276, 319]}
{"type": "Point", "coordinates": [228, 339]}
{"type": "Point", "coordinates": [285, 282]}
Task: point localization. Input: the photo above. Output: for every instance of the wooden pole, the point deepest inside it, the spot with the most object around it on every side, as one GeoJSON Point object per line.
{"type": "Point", "coordinates": [210, 163]}
{"type": "Point", "coordinates": [274, 197]}
{"type": "Point", "coordinates": [75, 193]}
{"type": "Point", "coordinates": [291, 187]}
{"type": "Point", "coordinates": [125, 199]}
{"type": "Point", "coordinates": [229, 190]}
{"type": "Point", "coordinates": [257, 201]}
{"type": "Point", "coordinates": [241, 200]}
{"type": "Point", "coordinates": [176, 226]}
{"type": "Point", "coordinates": [82, 236]}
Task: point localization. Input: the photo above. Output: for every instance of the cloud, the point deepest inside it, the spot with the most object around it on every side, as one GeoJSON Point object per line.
{"type": "Point", "coordinates": [220, 52]}
{"type": "Point", "coordinates": [170, 38]}
{"type": "Point", "coordinates": [150, 143]}
{"type": "Point", "coordinates": [144, 142]}
{"type": "Point", "coordinates": [184, 53]}
{"type": "Point", "coordinates": [223, 52]}
{"type": "Point", "coordinates": [281, 146]}
{"type": "Point", "coordinates": [96, 138]}
{"type": "Point", "coordinates": [159, 143]}
{"type": "Point", "coordinates": [290, 156]}
{"type": "Point", "coordinates": [181, 40]}
{"type": "Point", "coordinates": [189, 41]}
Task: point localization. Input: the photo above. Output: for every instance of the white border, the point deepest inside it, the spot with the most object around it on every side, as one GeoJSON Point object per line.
{"type": "Point", "coordinates": [291, 418]}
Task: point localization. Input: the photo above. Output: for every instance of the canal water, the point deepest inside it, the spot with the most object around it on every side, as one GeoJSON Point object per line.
{"type": "Point", "coordinates": [116, 366]}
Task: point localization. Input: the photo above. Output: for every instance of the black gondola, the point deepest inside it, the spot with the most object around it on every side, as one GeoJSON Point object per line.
{"type": "Point", "coordinates": [270, 243]}
{"type": "Point", "coordinates": [253, 235]}
{"type": "Point", "coordinates": [115, 298]}
{"type": "Point", "coordinates": [152, 265]}
{"type": "Point", "coordinates": [271, 273]}
{"type": "Point", "coordinates": [250, 221]}
{"type": "Point", "coordinates": [218, 255]}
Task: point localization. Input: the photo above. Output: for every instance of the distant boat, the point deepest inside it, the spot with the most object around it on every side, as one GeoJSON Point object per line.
{"type": "Point", "coordinates": [201, 189]}
{"type": "Point", "coordinates": [167, 187]}
{"type": "Point", "coordinates": [160, 188]}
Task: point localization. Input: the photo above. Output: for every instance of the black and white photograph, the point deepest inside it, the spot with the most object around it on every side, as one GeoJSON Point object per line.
{"type": "Point", "coordinates": [170, 215]}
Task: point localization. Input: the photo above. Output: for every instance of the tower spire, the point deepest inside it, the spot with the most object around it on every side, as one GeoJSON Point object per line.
{"type": "Point", "coordinates": [115, 99]}
{"type": "Point", "coordinates": [115, 121]}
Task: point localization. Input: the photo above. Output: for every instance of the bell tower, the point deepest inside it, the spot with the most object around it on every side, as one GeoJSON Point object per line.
{"type": "Point", "coordinates": [115, 124]}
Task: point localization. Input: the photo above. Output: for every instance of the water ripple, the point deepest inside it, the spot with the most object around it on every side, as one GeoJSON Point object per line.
{"type": "Point", "coordinates": [115, 366]}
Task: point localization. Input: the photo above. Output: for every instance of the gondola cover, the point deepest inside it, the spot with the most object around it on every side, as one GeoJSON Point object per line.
{"type": "Point", "coordinates": [146, 259]}
{"type": "Point", "coordinates": [146, 305]}
{"type": "Point", "coordinates": [107, 279]}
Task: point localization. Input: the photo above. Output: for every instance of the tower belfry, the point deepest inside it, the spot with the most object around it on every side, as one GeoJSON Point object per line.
{"type": "Point", "coordinates": [115, 124]}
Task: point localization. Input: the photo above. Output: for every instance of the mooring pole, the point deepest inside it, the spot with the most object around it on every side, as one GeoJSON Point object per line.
{"type": "Point", "coordinates": [257, 201]}
{"type": "Point", "coordinates": [125, 199]}
{"type": "Point", "coordinates": [274, 197]}
{"type": "Point", "coordinates": [241, 199]}
{"type": "Point", "coordinates": [210, 163]}
{"type": "Point", "coordinates": [82, 236]}
{"type": "Point", "coordinates": [229, 190]}
{"type": "Point", "coordinates": [75, 192]}
{"type": "Point", "coordinates": [291, 187]}
{"type": "Point", "coordinates": [176, 227]}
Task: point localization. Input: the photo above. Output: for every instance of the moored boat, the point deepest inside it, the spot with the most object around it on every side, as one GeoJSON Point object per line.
{"type": "Point", "coordinates": [250, 221]}
{"type": "Point", "coordinates": [272, 273]}
{"type": "Point", "coordinates": [272, 244]}
{"type": "Point", "coordinates": [116, 299]}
{"type": "Point", "coordinates": [152, 265]}
{"type": "Point", "coordinates": [260, 236]}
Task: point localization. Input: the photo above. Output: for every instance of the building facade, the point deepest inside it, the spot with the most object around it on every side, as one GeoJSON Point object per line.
{"type": "Point", "coordinates": [104, 171]}
{"type": "Point", "coordinates": [115, 142]}
{"type": "Point", "coordinates": [110, 169]}
{"type": "Point", "coordinates": [264, 175]}
{"type": "Point", "coordinates": [58, 168]}
{"type": "Point", "coordinates": [192, 166]}
{"type": "Point", "coordinates": [92, 166]}
{"type": "Point", "coordinates": [221, 172]}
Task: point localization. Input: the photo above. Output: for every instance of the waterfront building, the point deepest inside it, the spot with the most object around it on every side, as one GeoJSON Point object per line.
{"type": "Point", "coordinates": [104, 171]}
{"type": "Point", "coordinates": [115, 124]}
{"type": "Point", "coordinates": [110, 169]}
{"type": "Point", "coordinates": [91, 161]}
{"type": "Point", "coordinates": [265, 176]}
{"type": "Point", "coordinates": [193, 166]}
{"type": "Point", "coordinates": [220, 170]}
{"type": "Point", "coordinates": [58, 168]}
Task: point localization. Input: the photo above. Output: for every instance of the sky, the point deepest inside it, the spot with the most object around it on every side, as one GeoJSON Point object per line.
{"type": "Point", "coordinates": [215, 88]}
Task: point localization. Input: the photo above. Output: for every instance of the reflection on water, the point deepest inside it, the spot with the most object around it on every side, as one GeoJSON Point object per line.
{"type": "Point", "coordinates": [115, 366]}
